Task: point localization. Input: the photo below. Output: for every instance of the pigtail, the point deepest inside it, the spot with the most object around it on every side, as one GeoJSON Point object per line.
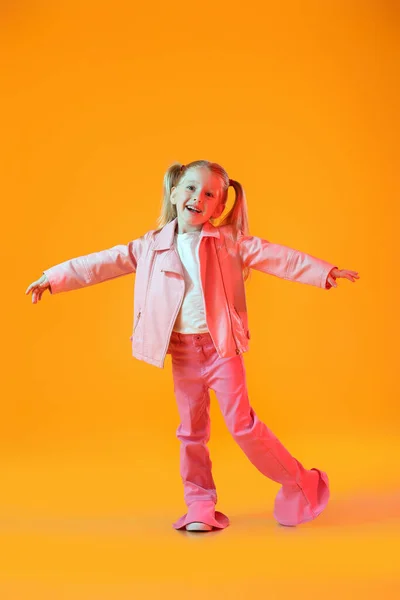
{"type": "Point", "coordinates": [238, 216]}
{"type": "Point", "coordinates": [171, 179]}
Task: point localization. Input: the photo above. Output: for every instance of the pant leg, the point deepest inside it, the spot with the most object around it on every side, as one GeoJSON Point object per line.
{"type": "Point", "coordinates": [304, 493]}
{"type": "Point", "coordinates": [193, 401]}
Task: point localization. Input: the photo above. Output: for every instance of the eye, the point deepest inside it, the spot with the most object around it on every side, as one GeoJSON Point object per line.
{"type": "Point", "coordinates": [192, 186]}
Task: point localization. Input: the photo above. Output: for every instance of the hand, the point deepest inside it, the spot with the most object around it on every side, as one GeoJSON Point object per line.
{"type": "Point", "coordinates": [336, 273]}
{"type": "Point", "coordinates": [38, 287]}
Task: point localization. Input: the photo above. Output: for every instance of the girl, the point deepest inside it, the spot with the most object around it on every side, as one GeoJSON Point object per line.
{"type": "Point", "coordinates": [190, 302]}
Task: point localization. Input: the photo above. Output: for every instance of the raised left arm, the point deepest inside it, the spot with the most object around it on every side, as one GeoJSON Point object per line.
{"type": "Point", "coordinates": [288, 263]}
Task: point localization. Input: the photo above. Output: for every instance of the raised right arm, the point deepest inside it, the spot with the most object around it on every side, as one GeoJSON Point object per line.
{"type": "Point", "coordinates": [96, 267]}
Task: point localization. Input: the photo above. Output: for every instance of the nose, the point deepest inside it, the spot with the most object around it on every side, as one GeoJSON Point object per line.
{"type": "Point", "coordinates": [198, 198]}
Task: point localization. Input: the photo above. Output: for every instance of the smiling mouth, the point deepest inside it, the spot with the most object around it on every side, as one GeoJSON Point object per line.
{"type": "Point", "coordinates": [194, 211]}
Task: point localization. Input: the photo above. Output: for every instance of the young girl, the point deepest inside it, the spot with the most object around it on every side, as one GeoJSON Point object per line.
{"type": "Point", "coordinates": [190, 302]}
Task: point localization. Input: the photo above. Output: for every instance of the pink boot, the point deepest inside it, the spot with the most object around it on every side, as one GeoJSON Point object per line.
{"type": "Point", "coordinates": [203, 512]}
{"type": "Point", "coordinates": [295, 505]}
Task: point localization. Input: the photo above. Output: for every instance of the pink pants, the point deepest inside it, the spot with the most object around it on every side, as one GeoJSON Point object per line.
{"type": "Point", "coordinates": [197, 368]}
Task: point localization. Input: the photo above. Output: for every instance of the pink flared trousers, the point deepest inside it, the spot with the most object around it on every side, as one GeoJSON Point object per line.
{"type": "Point", "coordinates": [197, 368]}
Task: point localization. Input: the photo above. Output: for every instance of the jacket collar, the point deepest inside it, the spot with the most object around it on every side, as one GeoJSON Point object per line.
{"type": "Point", "coordinates": [165, 238]}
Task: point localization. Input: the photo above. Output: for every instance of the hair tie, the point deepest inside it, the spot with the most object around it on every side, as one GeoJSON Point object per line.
{"type": "Point", "coordinates": [182, 167]}
{"type": "Point", "coordinates": [231, 182]}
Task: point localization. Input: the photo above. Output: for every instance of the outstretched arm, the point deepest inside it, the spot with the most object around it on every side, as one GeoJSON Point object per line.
{"type": "Point", "coordinates": [288, 263]}
{"type": "Point", "coordinates": [93, 268]}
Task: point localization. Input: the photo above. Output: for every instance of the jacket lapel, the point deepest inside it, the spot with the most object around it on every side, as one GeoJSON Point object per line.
{"type": "Point", "coordinates": [165, 241]}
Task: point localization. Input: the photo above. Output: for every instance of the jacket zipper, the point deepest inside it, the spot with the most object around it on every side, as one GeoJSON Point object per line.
{"type": "Point", "coordinates": [137, 321]}
{"type": "Point", "coordinates": [145, 298]}
{"type": "Point", "coordinates": [173, 320]}
{"type": "Point", "coordinates": [149, 281]}
{"type": "Point", "coordinates": [238, 350]}
{"type": "Point", "coordinates": [240, 318]}
{"type": "Point", "coordinates": [202, 292]}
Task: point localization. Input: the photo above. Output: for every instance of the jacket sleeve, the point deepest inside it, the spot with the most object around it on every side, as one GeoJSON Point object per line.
{"type": "Point", "coordinates": [284, 262]}
{"type": "Point", "coordinates": [97, 267]}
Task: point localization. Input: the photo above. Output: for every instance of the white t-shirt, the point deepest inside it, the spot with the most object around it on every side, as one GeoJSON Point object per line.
{"type": "Point", "coordinates": [191, 317]}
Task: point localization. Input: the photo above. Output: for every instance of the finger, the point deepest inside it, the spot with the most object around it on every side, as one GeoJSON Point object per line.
{"type": "Point", "coordinates": [32, 286]}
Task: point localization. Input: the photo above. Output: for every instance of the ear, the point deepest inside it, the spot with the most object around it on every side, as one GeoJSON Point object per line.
{"type": "Point", "coordinates": [172, 194]}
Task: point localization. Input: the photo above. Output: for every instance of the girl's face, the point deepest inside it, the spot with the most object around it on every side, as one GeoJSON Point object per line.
{"type": "Point", "coordinates": [201, 189]}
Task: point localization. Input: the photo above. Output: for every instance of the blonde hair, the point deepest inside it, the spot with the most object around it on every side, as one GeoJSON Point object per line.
{"type": "Point", "coordinates": [237, 216]}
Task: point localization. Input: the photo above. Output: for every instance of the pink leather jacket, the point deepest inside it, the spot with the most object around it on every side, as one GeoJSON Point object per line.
{"type": "Point", "coordinates": [160, 287]}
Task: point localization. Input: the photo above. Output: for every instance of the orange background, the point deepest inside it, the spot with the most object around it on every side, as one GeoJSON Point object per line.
{"type": "Point", "coordinates": [299, 102]}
